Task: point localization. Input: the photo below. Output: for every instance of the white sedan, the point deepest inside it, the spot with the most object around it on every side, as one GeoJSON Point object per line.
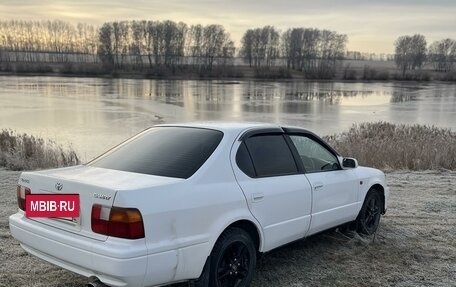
{"type": "Point", "coordinates": [196, 202]}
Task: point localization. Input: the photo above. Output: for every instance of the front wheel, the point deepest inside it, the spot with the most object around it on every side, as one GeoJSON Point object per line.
{"type": "Point", "coordinates": [369, 217]}
{"type": "Point", "coordinates": [232, 261]}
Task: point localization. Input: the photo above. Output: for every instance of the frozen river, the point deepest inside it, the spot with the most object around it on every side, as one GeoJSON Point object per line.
{"type": "Point", "coordinates": [94, 114]}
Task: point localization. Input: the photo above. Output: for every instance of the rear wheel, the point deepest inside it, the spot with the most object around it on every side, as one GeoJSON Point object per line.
{"type": "Point", "coordinates": [369, 217]}
{"type": "Point", "coordinates": [232, 261]}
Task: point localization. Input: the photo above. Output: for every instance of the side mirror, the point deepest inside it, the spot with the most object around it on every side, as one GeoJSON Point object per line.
{"type": "Point", "coordinates": [348, 162]}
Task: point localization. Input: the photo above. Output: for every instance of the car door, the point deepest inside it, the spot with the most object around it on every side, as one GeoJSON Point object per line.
{"type": "Point", "coordinates": [278, 195]}
{"type": "Point", "coordinates": [334, 190]}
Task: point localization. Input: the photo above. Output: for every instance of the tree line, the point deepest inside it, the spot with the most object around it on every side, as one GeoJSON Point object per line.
{"type": "Point", "coordinates": [412, 52]}
{"type": "Point", "coordinates": [56, 38]}
{"type": "Point", "coordinates": [167, 43]}
{"type": "Point", "coordinates": [312, 51]}
{"type": "Point", "coordinates": [164, 43]}
{"type": "Point", "coordinates": [148, 44]}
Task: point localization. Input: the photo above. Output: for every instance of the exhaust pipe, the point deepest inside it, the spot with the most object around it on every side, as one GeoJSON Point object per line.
{"type": "Point", "coordinates": [95, 282]}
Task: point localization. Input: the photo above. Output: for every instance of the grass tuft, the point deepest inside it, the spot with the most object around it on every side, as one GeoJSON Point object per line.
{"type": "Point", "coordinates": [27, 152]}
{"type": "Point", "coordinates": [389, 146]}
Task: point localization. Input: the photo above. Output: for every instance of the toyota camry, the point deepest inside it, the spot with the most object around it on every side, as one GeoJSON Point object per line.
{"type": "Point", "coordinates": [197, 203]}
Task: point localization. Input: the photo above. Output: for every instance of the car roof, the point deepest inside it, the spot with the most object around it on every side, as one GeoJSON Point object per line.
{"type": "Point", "coordinates": [225, 127]}
{"type": "Point", "coordinates": [234, 129]}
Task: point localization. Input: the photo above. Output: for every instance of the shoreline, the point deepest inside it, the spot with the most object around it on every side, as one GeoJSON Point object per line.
{"type": "Point", "coordinates": [357, 71]}
{"type": "Point", "coordinates": [225, 80]}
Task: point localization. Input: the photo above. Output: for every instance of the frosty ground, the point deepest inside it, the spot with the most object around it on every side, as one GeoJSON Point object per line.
{"type": "Point", "coordinates": [415, 245]}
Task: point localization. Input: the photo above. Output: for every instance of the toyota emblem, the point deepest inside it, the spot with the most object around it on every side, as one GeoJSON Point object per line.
{"type": "Point", "coordinates": [58, 186]}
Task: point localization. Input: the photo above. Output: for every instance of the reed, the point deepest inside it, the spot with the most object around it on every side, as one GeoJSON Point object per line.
{"type": "Point", "coordinates": [27, 152]}
{"type": "Point", "coordinates": [390, 146]}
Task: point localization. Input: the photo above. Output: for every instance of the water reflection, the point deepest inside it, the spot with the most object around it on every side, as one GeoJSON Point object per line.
{"type": "Point", "coordinates": [96, 113]}
{"type": "Point", "coordinates": [400, 97]}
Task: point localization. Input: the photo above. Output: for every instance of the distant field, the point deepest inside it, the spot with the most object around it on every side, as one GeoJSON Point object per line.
{"type": "Point", "coordinates": [415, 246]}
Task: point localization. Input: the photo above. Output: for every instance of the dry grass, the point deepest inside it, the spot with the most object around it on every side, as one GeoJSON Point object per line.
{"type": "Point", "coordinates": [26, 152]}
{"type": "Point", "coordinates": [415, 245]}
{"type": "Point", "coordinates": [389, 146]}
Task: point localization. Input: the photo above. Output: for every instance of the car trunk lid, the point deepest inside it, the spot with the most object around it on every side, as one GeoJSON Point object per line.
{"type": "Point", "coordinates": [93, 185]}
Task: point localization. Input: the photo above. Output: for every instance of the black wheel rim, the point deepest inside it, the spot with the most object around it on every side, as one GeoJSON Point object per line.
{"type": "Point", "coordinates": [372, 213]}
{"type": "Point", "coordinates": [233, 267]}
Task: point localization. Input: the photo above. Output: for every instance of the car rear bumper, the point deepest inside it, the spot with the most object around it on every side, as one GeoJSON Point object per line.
{"type": "Point", "coordinates": [115, 262]}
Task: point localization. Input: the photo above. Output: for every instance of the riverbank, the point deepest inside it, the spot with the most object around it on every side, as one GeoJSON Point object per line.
{"type": "Point", "coordinates": [415, 245]}
{"type": "Point", "coordinates": [347, 70]}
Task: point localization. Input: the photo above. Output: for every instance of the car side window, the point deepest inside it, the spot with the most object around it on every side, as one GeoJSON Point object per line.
{"type": "Point", "coordinates": [271, 155]}
{"type": "Point", "coordinates": [314, 156]}
{"type": "Point", "coordinates": [244, 161]}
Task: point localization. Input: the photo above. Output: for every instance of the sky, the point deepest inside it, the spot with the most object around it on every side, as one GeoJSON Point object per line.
{"type": "Point", "coordinates": [371, 26]}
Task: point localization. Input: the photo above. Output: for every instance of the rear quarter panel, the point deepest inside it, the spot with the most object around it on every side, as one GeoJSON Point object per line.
{"type": "Point", "coordinates": [188, 216]}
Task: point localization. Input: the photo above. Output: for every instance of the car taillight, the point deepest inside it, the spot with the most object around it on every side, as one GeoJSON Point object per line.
{"type": "Point", "coordinates": [117, 221]}
{"type": "Point", "coordinates": [21, 192]}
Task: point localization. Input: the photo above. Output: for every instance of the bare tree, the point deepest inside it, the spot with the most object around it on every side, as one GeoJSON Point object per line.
{"type": "Point", "coordinates": [125, 40]}
{"type": "Point", "coordinates": [138, 42]}
{"type": "Point", "coordinates": [154, 36]}
{"type": "Point", "coordinates": [195, 44]}
{"type": "Point", "coordinates": [316, 48]}
{"type": "Point", "coordinates": [260, 46]}
{"type": "Point", "coordinates": [271, 41]}
{"type": "Point", "coordinates": [217, 46]}
{"type": "Point", "coordinates": [180, 38]}
{"type": "Point", "coordinates": [419, 49]}
{"type": "Point", "coordinates": [410, 52]}
{"type": "Point", "coordinates": [116, 33]}
{"type": "Point", "coordinates": [246, 51]}
{"type": "Point", "coordinates": [443, 54]}
{"type": "Point", "coordinates": [315, 52]}
{"type": "Point", "coordinates": [285, 48]}
{"type": "Point", "coordinates": [47, 41]}
{"type": "Point", "coordinates": [105, 49]}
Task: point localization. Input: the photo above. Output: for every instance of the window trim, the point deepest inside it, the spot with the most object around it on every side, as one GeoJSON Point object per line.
{"type": "Point", "coordinates": [286, 132]}
{"type": "Point", "coordinates": [260, 131]}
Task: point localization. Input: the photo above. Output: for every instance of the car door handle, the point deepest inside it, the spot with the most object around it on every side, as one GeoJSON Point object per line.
{"type": "Point", "coordinates": [318, 186]}
{"type": "Point", "coordinates": [257, 197]}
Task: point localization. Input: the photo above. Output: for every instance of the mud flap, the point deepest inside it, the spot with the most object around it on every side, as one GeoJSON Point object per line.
{"type": "Point", "coordinates": [203, 280]}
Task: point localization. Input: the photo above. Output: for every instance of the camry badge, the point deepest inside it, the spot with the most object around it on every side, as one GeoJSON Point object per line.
{"type": "Point", "coordinates": [101, 196]}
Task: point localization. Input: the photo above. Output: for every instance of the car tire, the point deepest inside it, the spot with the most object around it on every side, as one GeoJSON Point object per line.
{"type": "Point", "coordinates": [368, 218]}
{"type": "Point", "coordinates": [232, 261]}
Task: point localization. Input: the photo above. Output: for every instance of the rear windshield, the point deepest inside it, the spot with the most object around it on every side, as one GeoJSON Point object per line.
{"type": "Point", "coordinates": [163, 151]}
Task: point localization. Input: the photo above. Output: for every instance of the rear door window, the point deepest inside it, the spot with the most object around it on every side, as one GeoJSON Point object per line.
{"type": "Point", "coordinates": [244, 161]}
{"type": "Point", "coordinates": [271, 155]}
